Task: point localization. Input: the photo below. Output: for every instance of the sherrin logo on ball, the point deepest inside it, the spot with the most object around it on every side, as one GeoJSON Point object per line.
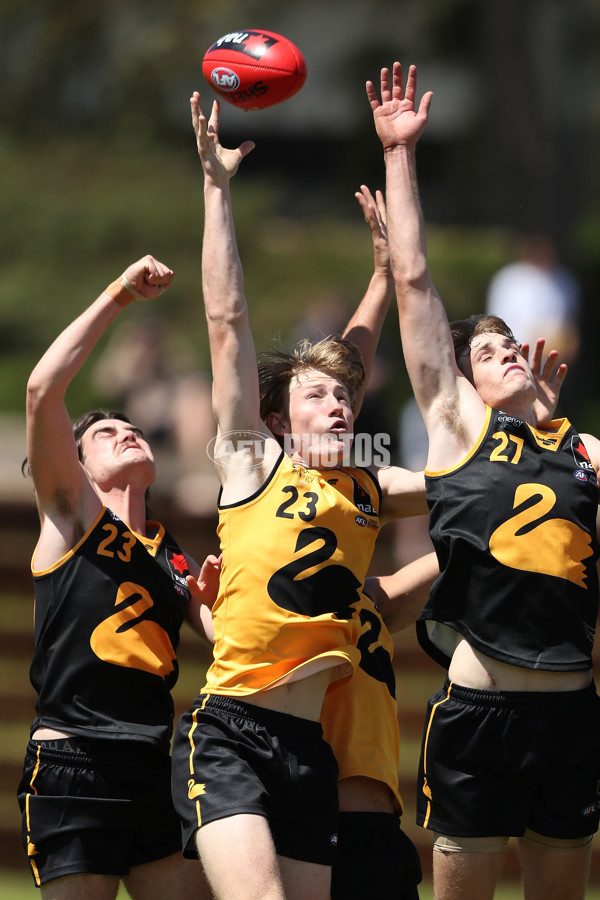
{"type": "Point", "coordinates": [254, 69]}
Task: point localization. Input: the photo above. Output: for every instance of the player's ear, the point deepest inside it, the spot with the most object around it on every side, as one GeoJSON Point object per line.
{"type": "Point", "coordinates": [278, 423]}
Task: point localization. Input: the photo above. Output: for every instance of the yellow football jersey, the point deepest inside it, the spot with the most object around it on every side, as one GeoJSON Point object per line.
{"type": "Point", "coordinates": [360, 717]}
{"type": "Point", "coordinates": [295, 556]}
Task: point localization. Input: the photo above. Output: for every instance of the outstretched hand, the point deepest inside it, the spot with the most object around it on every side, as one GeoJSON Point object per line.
{"type": "Point", "coordinates": [219, 164]}
{"type": "Point", "coordinates": [548, 378]}
{"type": "Point", "coordinates": [397, 121]}
{"type": "Point", "coordinates": [375, 213]}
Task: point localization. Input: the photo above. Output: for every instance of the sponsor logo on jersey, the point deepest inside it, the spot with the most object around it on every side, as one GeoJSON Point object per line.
{"type": "Point", "coordinates": [589, 810]}
{"type": "Point", "coordinates": [580, 454]}
{"type": "Point", "coordinates": [504, 419]}
{"type": "Point", "coordinates": [547, 441]}
{"type": "Point", "coordinates": [585, 469]}
{"type": "Point", "coordinates": [178, 569]}
{"type": "Point", "coordinates": [360, 520]}
{"type": "Point", "coordinates": [362, 500]}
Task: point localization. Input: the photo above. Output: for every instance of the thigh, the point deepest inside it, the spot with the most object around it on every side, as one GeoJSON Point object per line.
{"type": "Point", "coordinates": [173, 877]}
{"type": "Point", "coordinates": [239, 858]}
{"type": "Point", "coordinates": [81, 887]}
{"type": "Point", "coordinates": [466, 876]}
{"type": "Point", "coordinates": [553, 873]}
{"type": "Point", "coordinates": [304, 880]}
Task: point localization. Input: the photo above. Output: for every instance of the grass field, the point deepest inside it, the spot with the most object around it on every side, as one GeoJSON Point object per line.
{"type": "Point", "coordinates": [19, 887]}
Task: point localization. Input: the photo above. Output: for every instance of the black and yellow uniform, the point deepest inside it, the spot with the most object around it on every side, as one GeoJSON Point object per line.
{"type": "Point", "coordinates": [295, 555]}
{"type": "Point", "coordinates": [360, 722]}
{"type": "Point", "coordinates": [360, 717]}
{"type": "Point", "coordinates": [514, 528]}
{"type": "Point", "coordinates": [107, 620]}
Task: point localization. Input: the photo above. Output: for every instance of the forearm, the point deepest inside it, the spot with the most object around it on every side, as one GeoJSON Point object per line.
{"type": "Point", "coordinates": [364, 328]}
{"type": "Point", "coordinates": [222, 275]}
{"type": "Point", "coordinates": [406, 227]}
{"type": "Point", "coordinates": [233, 356]}
{"type": "Point", "coordinates": [400, 597]}
{"type": "Point", "coordinates": [426, 340]}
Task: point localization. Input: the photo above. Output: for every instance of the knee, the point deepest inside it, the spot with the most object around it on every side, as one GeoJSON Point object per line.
{"type": "Point", "coordinates": [446, 844]}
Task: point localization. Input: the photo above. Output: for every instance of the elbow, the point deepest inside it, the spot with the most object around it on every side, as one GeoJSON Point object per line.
{"type": "Point", "coordinates": [39, 388]}
{"type": "Point", "coordinates": [36, 388]}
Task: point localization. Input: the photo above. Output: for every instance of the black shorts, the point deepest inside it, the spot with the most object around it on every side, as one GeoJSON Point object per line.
{"type": "Point", "coordinates": [95, 806]}
{"type": "Point", "coordinates": [496, 763]}
{"type": "Point", "coordinates": [231, 757]}
{"type": "Point", "coordinates": [376, 859]}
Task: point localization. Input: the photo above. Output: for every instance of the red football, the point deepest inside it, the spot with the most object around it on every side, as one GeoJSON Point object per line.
{"type": "Point", "coordinates": [254, 69]}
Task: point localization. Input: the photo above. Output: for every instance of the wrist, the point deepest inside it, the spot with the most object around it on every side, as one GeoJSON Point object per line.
{"type": "Point", "coordinates": [123, 292]}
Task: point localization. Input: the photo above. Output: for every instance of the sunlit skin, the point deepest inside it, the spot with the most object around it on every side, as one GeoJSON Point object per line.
{"type": "Point", "coordinates": [319, 413]}
{"type": "Point", "coordinates": [110, 446]}
{"type": "Point", "coordinates": [501, 375]}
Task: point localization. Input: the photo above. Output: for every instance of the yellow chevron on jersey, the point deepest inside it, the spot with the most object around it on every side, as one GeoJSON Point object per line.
{"type": "Point", "coordinates": [295, 556]}
{"type": "Point", "coordinates": [360, 717]}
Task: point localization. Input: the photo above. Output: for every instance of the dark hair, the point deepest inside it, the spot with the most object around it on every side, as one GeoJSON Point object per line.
{"type": "Point", "coordinates": [464, 330]}
{"type": "Point", "coordinates": [332, 355]}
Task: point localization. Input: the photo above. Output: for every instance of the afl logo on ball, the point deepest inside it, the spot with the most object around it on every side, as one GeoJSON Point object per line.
{"type": "Point", "coordinates": [224, 79]}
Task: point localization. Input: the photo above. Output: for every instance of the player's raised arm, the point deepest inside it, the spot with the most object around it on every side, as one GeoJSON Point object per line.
{"type": "Point", "coordinates": [364, 328]}
{"type": "Point", "coordinates": [51, 450]}
{"type": "Point", "coordinates": [439, 387]}
{"type": "Point", "coordinates": [236, 401]}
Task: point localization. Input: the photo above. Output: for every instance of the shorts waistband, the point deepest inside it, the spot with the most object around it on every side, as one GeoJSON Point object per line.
{"type": "Point", "coordinates": [518, 698]}
{"type": "Point", "coordinates": [360, 820]}
{"type": "Point", "coordinates": [94, 749]}
{"type": "Point", "coordinates": [270, 718]}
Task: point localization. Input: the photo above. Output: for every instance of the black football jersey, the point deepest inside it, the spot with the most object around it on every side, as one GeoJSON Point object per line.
{"type": "Point", "coordinates": [107, 621]}
{"type": "Point", "coordinates": [514, 528]}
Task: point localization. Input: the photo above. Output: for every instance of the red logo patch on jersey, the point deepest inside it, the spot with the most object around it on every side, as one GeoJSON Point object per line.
{"type": "Point", "coordinates": [178, 562]}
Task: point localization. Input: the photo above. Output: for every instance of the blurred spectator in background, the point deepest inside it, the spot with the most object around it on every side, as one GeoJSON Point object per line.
{"type": "Point", "coordinates": [145, 374]}
{"type": "Point", "coordinates": [538, 296]}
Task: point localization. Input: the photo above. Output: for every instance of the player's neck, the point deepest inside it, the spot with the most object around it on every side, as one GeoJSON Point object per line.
{"type": "Point", "coordinates": [129, 505]}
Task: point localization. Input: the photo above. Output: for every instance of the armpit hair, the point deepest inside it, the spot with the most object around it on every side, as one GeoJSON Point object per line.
{"type": "Point", "coordinates": [449, 413]}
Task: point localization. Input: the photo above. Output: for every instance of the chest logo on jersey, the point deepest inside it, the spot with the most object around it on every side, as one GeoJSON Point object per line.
{"type": "Point", "coordinates": [178, 569]}
{"type": "Point", "coordinates": [585, 469]}
{"type": "Point", "coordinates": [302, 587]}
{"type": "Point", "coordinates": [127, 639]}
{"type": "Point", "coordinates": [533, 542]}
{"type": "Point", "coordinates": [362, 500]}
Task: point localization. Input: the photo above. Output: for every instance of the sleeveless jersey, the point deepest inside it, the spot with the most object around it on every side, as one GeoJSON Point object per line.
{"type": "Point", "coordinates": [514, 528]}
{"type": "Point", "coordinates": [107, 620]}
{"type": "Point", "coordinates": [360, 717]}
{"type": "Point", "coordinates": [295, 556]}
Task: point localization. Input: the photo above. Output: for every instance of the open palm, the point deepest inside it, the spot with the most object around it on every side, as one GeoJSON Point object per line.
{"type": "Point", "coordinates": [396, 120]}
